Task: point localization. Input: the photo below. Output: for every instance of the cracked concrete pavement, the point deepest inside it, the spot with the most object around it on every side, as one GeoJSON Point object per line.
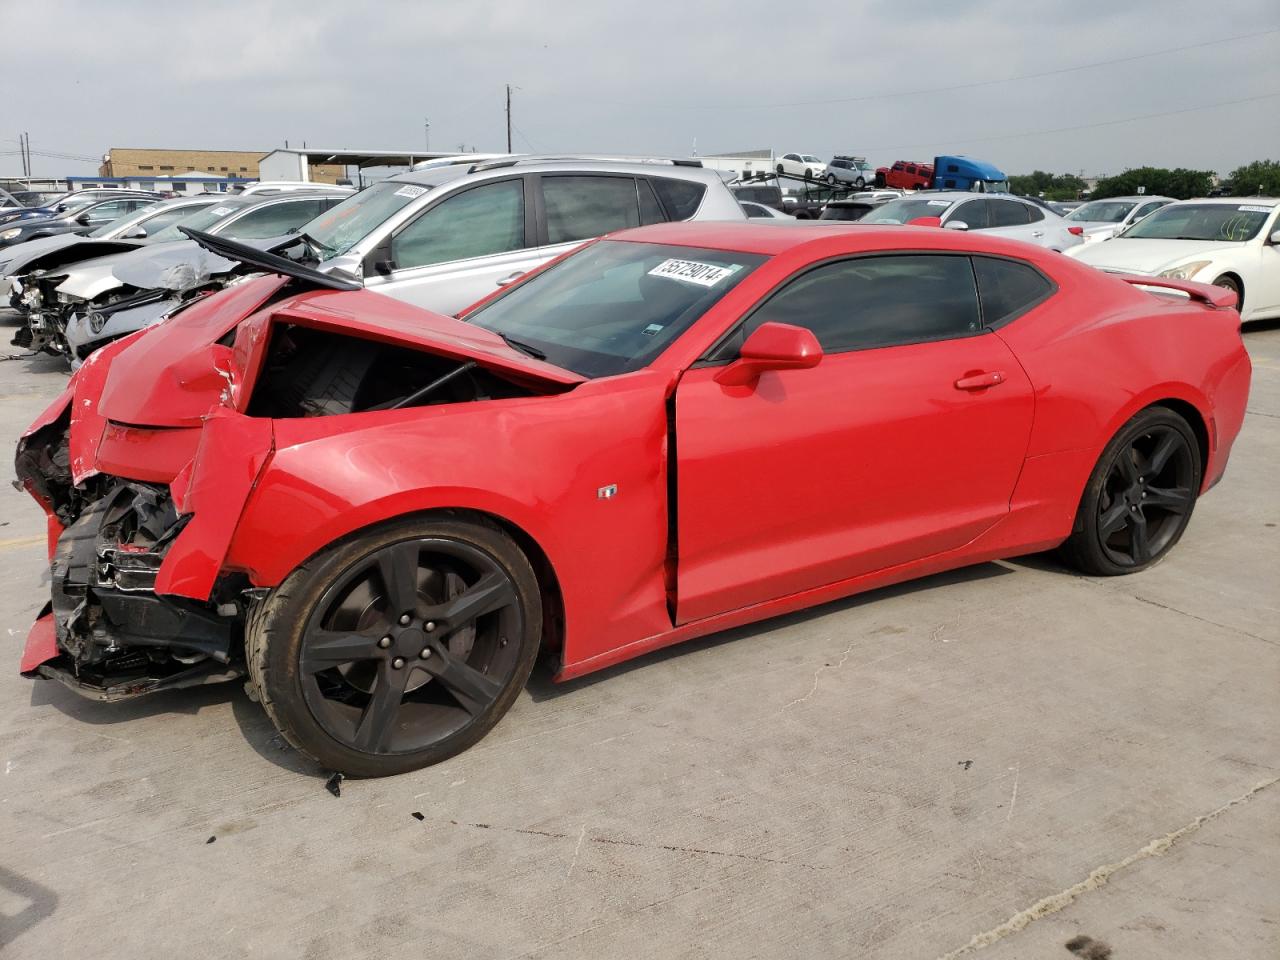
{"type": "Point", "coordinates": [904, 774]}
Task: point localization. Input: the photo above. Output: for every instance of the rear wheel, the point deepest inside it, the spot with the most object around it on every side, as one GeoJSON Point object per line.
{"type": "Point", "coordinates": [831, 179]}
{"type": "Point", "coordinates": [399, 648]}
{"type": "Point", "coordinates": [860, 183]}
{"type": "Point", "coordinates": [1139, 497]}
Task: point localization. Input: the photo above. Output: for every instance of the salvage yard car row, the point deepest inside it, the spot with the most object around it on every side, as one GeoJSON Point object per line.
{"type": "Point", "coordinates": [571, 426]}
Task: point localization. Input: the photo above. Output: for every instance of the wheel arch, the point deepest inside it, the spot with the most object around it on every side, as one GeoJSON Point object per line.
{"type": "Point", "coordinates": [1238, 280]}
{"type": "Point", "coordinates": [1195, 420]}
{"type": "Point", "coordinates": [549, 582]}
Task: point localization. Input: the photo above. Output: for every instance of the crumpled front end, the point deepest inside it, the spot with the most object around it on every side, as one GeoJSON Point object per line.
{"type": "Point", "coordinates": [137, 537]}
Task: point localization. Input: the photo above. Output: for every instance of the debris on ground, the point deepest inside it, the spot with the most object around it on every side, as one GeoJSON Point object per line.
{"type": "Point", "coordinates": [964, 763]}
{"type": "Point", "coordinates": [334, 784]}
{"type": "Point", "coordinates": [210, 840]}
{"type": "Point", "coordinates": [418, 816]}
{"type": "Point", "coordinates": [1088, 948]}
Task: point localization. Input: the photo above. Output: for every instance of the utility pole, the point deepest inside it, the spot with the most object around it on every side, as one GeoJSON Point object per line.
{"type": "Point", "coordinates": [508, 118]}
{"type": "Point", "coordinates": [426, 131]}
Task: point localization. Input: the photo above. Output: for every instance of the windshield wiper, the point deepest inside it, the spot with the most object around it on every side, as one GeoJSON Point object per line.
{"type": "Point", "coordinates": [321, 251]}
{"type": "Point", "coordinates": [524, 348]}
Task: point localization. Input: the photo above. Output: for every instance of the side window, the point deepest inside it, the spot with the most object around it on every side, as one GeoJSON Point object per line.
{"type": "Point", "coordinates": [1007, 288]}
{"type": "Point", "coordinates": [1145, 209]}
{"type": "Point", "coordinates": [579, 208]}
{"type": "Point", "coordinates": [1034, 214]}
{"type": "Point", "coordinates": [273, 220]}
{"type": "Point", "coordinates": [154, 225]}
{"type": "Point", "coordinates": [1007, 213]}
{"type": "Point", "coordinates": [650, 211]}
{"type": "Point", "coordinates": [973, 213]}
{"type": "Point", "coordinates": [682, 198]}
{"type": "Point", "coordinates": [105, 212]}
{"type": "Point", "coordinates": [479, 222]}
{"type": "Point", "coordinates": [878, 302]}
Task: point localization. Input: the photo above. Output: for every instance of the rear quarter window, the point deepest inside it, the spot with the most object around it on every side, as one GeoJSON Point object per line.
{"type": "Point", "coordinates": [681, 198]}
{"type": "Point", "coordinates": [1007, 289]}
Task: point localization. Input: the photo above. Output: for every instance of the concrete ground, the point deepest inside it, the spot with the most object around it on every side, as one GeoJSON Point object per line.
{"type": "Point", "coordinates": [993, 762]}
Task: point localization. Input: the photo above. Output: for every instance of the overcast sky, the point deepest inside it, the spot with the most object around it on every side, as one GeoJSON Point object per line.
{"type": "Point", "coordinates": [654, 77]}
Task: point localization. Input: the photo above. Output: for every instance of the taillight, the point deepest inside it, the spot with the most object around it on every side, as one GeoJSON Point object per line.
{"type": "Point", "coordinates": [1076, 231]}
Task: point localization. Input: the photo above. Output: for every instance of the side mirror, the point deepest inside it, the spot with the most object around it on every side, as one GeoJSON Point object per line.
{"type": "Point", "coordinates": [137, 233]}
{"type": "Point", "coordinates": [773, 346]}
{"type": "Point", "coordinates": [84, 219]}
{"type": "Point", "coordinates": [955, 225]}
{"type": "Point", "coordinates": [925, 222]}
{"type": "Point", "coordinates": [1275, 238]}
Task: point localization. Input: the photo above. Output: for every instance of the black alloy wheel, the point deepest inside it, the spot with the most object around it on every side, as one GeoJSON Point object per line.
{"type": "Point", "coordinates": [1140, 497]}
{"type": "Point", "coordinates": [400, 649]}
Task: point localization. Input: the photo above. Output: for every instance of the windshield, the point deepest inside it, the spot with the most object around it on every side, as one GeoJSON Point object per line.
{"type": "Point", "coordinates": [340, 228]}
{"type": "Point", "coordinates": [198, 221]}
{"type": "Point", "coordinates": [809, 158]}
{"type": "Point", "coordinates": [906, 209]}
{"type": "Point", "coordinates": [1229, 222]}
{"type": "Point", "coordinates": [1103, 211]}
{"type": "Point", "coordinates": [34, 198]}
{"type": "Point", "coordinates": [614, 306]}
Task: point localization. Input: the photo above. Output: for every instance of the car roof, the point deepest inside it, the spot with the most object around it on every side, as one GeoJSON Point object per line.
{"type": "Point", "coordinates": [530, 164]}
{"type": "Point", "coordinates": [770, 239]}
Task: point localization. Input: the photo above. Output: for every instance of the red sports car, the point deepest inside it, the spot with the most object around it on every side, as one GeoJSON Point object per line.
{"type": "Point", "coordinates": [381, 515]}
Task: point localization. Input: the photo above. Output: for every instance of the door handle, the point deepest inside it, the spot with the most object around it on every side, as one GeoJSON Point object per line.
{"type": "Point", "coordinates": [980, 381]}
{"type": "Point", "coordinates": [511, 278]}
{"type": "Point", "coordinates": [1037, 233]}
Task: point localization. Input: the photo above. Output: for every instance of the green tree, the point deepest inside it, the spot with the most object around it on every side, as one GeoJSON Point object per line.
{"type": "Point", "coordinates": [1181, 184]}
{"type": "Point", "coordinates": [1052, 186]}
{"type": "Point", "coordinates": [1260, 178]}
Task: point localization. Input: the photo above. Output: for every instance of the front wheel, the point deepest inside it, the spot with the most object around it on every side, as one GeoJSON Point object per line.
{"type": "Point", "coordinates": [1139, 497]}
{"type": "Point", "coordinates": [1232, 284]}
{"type": "Point", "coordinates": [398, 648]}
{"type": "Point", "coordinates": [831, 179]}
{"type": "Point", "coordinates": [860, 183]}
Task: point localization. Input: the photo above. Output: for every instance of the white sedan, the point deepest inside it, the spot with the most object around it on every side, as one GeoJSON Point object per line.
{"type": "Point", "coordinates": [999, 214]}
{"type": "Point", "coordinates": [1103, 219]}
{"type": "Point", "coordinates": [1231, 242]}
{"type": "Point", "coordinates": [800, 165]}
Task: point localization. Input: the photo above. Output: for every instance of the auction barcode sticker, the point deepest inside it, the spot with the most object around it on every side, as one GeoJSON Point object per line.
{"type": "Point", "coordinates": [1247, 208]}
{"type": "Point", "coordinates": [221, 211]}
{"type": "Point", "coordinates": [691, 271]}
{"type": "Point", "coordinates": [939, 203]}
{"type": "Point", "coordinates": [410, 191]}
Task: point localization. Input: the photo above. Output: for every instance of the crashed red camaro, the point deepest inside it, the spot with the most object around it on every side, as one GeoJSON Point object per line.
{"type": "Point", "coordinates": [381, 515]}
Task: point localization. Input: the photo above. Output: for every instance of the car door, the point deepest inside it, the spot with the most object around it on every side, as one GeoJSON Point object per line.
{"type": "Point", "coordinates": [578, 207]}
{"type": "Point", "coordinates": [1262, 296]}
{"type": "Point", "coordinates": [1012, 219]}
{"type": "Point", "coordinates": [905, 441]}
{"type": "Point", "coordinates": [460, 248]}
{"type": "Point", "coordinates": [104, 213]}
{"type": "Point", "coordinates": [972, 213]}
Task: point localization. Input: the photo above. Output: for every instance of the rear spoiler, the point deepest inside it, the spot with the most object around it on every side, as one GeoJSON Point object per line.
{"type": "Point", "coordinates": [1206, 293]}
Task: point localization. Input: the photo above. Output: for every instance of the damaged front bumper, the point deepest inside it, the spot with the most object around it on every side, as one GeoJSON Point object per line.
{"type": "Point", "coordinates": [140, 601]}
{"type": "Point", "coordinates": [106, 634]}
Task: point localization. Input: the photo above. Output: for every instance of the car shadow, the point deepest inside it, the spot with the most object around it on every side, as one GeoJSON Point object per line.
{"type": "Point", "coordinates": [40, 903]}
{"type": "Point", "coordinates": [98, 713]}
{"type": "Point", "coordinates": [541, 686]}
{"type": "Point", "coordinates": [1259, 326]}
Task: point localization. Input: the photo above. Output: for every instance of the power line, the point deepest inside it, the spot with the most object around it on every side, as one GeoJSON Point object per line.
{"type": "Point", "coordinates": [1082, 126]}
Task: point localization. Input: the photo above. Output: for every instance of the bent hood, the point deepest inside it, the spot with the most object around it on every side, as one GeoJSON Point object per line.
{"type": "Point", "coordinates": [1128, 255]}
{"type": "Point", "coordinates": [175, 373]}
{"type": "Point", "coordinates": [95, 277]}
{"type": "Point", "coordinates": [63, 249]}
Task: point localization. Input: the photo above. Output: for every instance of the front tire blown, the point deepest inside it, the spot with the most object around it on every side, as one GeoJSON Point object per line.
{"type": "Point", "coordinates": [397, 648]}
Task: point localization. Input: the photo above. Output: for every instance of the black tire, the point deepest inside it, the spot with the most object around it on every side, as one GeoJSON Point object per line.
{"type": "Point", "coordinates": [1231, 283]}
{"type": "Point", "coordinates": [880, 180]}
{"type": "Point", "coordinates": [831, 179]}
{"type": "Point", "coordinates": [322, 703]}
{"type": "Point", "coordinates": [779, 168]}
{"type": "Point", "coordinates": [1139, 497]}
{"type": "Point", "coordinates": [860, 183]}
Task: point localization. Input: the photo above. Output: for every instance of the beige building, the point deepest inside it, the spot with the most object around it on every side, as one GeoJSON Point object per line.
{"type": "Point", "coordinates": [134, 162]}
